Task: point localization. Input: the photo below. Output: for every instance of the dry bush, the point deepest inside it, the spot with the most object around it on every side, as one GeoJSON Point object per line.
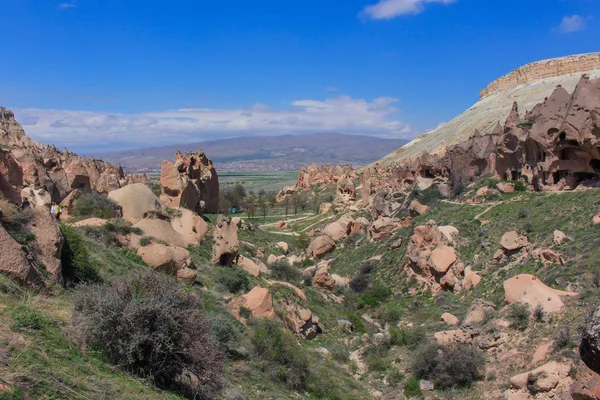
{"type": "Point", "coordinates": [456, 365]}
{"type": "Point", "coordinates": [150, 327]}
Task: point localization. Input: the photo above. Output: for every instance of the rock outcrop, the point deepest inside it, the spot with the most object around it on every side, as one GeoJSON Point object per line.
{"type": "Point", "coordinates": [45, 170]}
{"type": "Point", "coordinates": [190, 182]}
{"type": "Point", "coordinates": [226, 246]}
{"type": "Point", "coordinates": [136, 201]}
{"type": "Point", "coordinates": [527, 289]}
{"type": "Point", "coordinates": [324, 176]}
{"type": "Point", "coordinates": [589, 348]}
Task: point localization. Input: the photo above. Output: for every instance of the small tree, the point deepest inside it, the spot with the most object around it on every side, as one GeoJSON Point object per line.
{"type": "Point", "coordinates": [286, 205]}
{"type": "Point", "coordinates": [263, 205]}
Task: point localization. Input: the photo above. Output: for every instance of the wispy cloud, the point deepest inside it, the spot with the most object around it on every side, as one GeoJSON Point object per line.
{"type": "Point", "coordinates": [331, 89]}
{"type": "Point", "coordinates": [86, 129]}
{"type": "Point", "coordinates": [72, 4]}
{"type": "Point", "coordinates": [573, 23]}
{"type": "Point", "coordinates": [387, 9]}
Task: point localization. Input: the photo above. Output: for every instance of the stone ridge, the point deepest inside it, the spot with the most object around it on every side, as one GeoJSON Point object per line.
{"type": "Point", "coordinates": [579, 63]}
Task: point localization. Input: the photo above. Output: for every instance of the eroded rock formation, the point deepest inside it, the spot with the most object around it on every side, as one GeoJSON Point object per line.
{"type": "Point", "coordinates": [190, 182]}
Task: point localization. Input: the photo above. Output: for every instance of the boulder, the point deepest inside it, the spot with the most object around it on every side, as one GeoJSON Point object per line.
{"type": "Point", "coordinates": [512, 241]}
{"type": "Point", "coordinates": [283, 246]}
{"type": "Point", "coordinates": [284, 193]}
{"type": "Point", "coordinates": [442, 258]}
{"type": "Point", "coordinates": [190, 226]}
{"type": "Point", "coordinates": [548, 256]}
{"type": "Point", "coordinates": [226, 246]}
{"type": "Point", "coordinates": [68, 204]}
{"type": "Point", "coordinates": [281, 225]}
{"type": "Point", "coordinates": [38, 198]}
{"type": "Point", "coordinates": [450, 319]}
{"type": "Point", "coordinates": [450, 233]}
{"type": "Point", "coordinates": [335, 231]}
{"type": "Point", "coordinates": [505, 187]}
{"type": "Point", "coordinates": [322, 279]}
{"type": "Point", "coordinates": [472, 279]}
{"type": "Point", "coordinates": [426, 386]}
{"type": "Point", "coordinates": [447, 338]}
{"type": "Point", "coordinates": [260, 303]}
{"type": "Point", "coordinates": [161, 230]}
{"type": "Point", "coordinates": [320, 246]}
{"type": "Point", "coordinates": [93, 222]}
{"type": "Point", "coordinates": [542, 379]}
{"type": "Point", "coordinates": [248, 265]}
{"type": "Point", "coordinates": [383, 227]}
{"type": "Point", "coordinates": [559, 237]}
{"type": "Point", "coordinates": [416, 208]}
{"type": "Point", "coordinates": [482, 192]}
{"type": "Point", "coordinates": [165, 258]}
{"type": "Point", "coordinates": [477, 312]}
{"type": "Point", "coordinates": [301, 320]}
{"type": "Point", "coordinates": [135, 201]}
{"type": "Point", "coordinates": [596, 219]}
{"type": "Point", "coordinates": [187, 275]}
{"type": "Point", "coordinates": [527, 289]}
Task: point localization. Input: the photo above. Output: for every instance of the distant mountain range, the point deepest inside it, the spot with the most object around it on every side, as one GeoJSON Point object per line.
{"type": "Point", "coordinates": [266, 153]}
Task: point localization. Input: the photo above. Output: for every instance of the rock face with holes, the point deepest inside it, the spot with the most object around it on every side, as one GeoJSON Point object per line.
{"type": "Point", "coordinates": [190, 182]}
{"type": "Point", "coordinates": [551, 145]}
{"type": "Point", "coordinates": [225, 249]}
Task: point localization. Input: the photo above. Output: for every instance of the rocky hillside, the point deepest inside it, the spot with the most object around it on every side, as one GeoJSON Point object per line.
{"type": "Point", "coordinates": [527, 86]}
{"type": "Point", "coordinates": [268, 153]}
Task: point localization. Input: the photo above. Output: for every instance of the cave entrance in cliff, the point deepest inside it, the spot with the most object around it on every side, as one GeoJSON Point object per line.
{"type": "Point", "coordinates": [426, 173]}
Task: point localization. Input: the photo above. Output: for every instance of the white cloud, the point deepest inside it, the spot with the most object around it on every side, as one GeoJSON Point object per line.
{"type": "Point", "coordinates": [72, 4]}
{"type": "Point", "coordinates": [573, 23]}
{"type": "Point", "coordinates": [86, 129]}
{"type": "Point", "coordinates": [387, 9]}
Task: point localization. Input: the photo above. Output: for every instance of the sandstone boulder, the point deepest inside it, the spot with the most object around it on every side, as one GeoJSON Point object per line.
{"type": "Point", "coordinates": [325, 208]}
{"type": "Point", "coordinates": [259, 301]}
{"type": "Point", "coordinates": [49, 241]}
{"type": "Point", "coordinates": [190, 226]}
{"type": "Point", "coordinates": [383, 227]}
{"type": "Point", "coordinates": [450, 319]}
{"type": "Point", "coordinates": [505, 187]}
{"type": "Point", "coordinates": [161, 230]}
{"type": "Point", "coordinates": [187, 275]}
{"type": "Point", "coordinates": [283, 246]}
{"type": "Point", "coordinates": [478, 312]}
{"type": "Point", "coordinates": [416, 208]}
{"type": "Point", "coordinates": [135, 201]}
{"type": "Point", "coordinates": [442, 258]}
{"type": "Point", "coordinates": [472, 279]}
{"type": "Point", "coordinates": [542, 379]}
{"type": "Point", "coordinates": [512, 241]}
{"type": "Point", "coordinates": [165, 258]}
{"type": "Point", "coordinates": [322, 279]}
{"type": "Point", "coordinates": [527, 289]}
{"type": "Point", "coordinates": [226, 246]}
{"type": "Point", "coordinates": [301, 321]}
{"type": "Point", "coordinates": [559, 237]}
{"type": "Point", "coordinates": [335, 231]}
{"type": "Point", "coordinates": [281, 225]}
{"type": "Point", "coordinates": [15, 262]}
{"type": "Point", "coordinates": [248, 265]}
{"type": "Point", "coordinates": [320, 246]}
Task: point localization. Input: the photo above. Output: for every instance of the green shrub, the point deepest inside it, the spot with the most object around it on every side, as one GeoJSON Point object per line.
{"type": "Point", "coordinates": [234, 279]}
{"type": "Point", "coordinates": [538, 313]}
{"type": "Point", "coordinates": [95, 205]}
{"type": "Point", "coordinates": [245, 312]}
{"type": "Point", "coordinates": [394, 377]}
{"type": "Point", "coordinates": [76, 263]}
{"type": "Point", "coordinates": [376, 362]}
{"type": "Point", "coordinates": [375, 296]}
{"type": "Point", "coordinates": [519, 316]}
{"type": "Point", "coordinates": [410, 337]}
{"type": "Point", "coordinates": [26, 318]}
{"type": "Point", "coordinates": [146, 241]}
{"type": "Point", "coordinates": [457, 365]}
{"type": "Point", "coordinates": [282, 270]}
{"type": "Point", "coordinates": [121, 227]}
{"type": "Point", "coordinates": [151, 327]}
{"type": "Point", "coordinates": [522, 213]}
{"type": "Point", "coordinates": [339, 352]}
{"type": "Point", "coordinates": [279, 355]}
{"type": "Point", "coordinates": [563, 338]}
{"type": "Point", "coordinates": [457, 189]}
{"type": "Point", "coordinates": [527, 227]}
{"type": "Point", "coordinates": [360, 283]}
{"type": "Point", "coordinates": [226, 329]}
{"type": "Point", "coordinates": [412, 388]}
{"type": "Point", "coordinates": [357, 321]}
{"type": "Point", "coordinates": [367, 266]}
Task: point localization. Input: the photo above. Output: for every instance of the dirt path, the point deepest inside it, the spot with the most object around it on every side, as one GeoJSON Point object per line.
{"type": "Point", "coordinates": [288, 221]}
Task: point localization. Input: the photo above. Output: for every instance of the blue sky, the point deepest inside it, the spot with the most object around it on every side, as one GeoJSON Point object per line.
{"type": "Point", "coordinates": [108, 74]}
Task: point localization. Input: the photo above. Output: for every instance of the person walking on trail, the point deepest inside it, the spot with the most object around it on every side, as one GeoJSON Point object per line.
{"type": "Point", "coordinates": [53, 209]}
